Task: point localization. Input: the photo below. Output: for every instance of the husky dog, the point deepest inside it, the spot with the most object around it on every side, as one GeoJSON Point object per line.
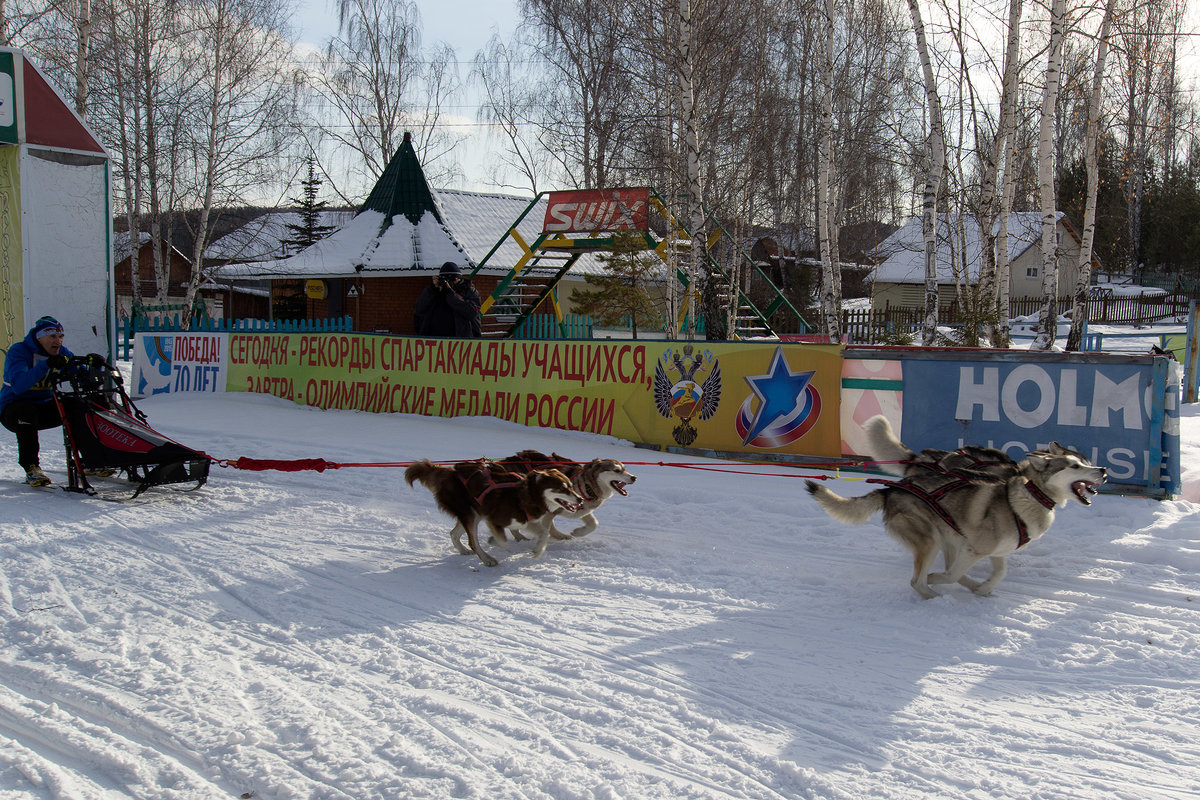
{"type": "Point", "coordinates": [963, 507]}
{"type": "Point", "coordinates": [595, 481]}
{"type": "Point", "coordinates": [471, 491]}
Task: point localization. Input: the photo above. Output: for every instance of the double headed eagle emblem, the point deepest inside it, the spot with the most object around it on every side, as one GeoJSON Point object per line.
{"type": "Point", "coordinates": [687, 397]}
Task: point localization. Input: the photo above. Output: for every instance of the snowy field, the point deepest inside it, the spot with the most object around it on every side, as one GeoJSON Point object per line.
{"type": "Point", "coordinates": [314, 635]}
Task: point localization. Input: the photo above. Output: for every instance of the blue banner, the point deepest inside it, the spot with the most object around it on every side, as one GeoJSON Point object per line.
{"type": "Point", "coordinates": [1114, 412]}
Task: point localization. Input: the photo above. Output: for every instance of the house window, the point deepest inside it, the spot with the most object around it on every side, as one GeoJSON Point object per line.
{"type": "Point", "coordinates": [1031, 272]}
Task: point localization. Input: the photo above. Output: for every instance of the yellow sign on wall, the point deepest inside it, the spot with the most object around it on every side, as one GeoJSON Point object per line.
{"type": "Point", "coordinates": [315, 289]}
{"type": "Point", "coordinates": [754, 397]}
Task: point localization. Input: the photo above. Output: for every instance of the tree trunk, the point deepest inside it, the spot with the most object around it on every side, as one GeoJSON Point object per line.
{"type": "Point", "coordinates": [993, 289]}
{"type": "Point", "coordinates": [1090, 145]}
{"type": "Point", "coordinates": [698, 271]}
{"type": "Point", "coordinates": [933, 179]}
{"type": "Point", "coordinates": [831, 277]}
{"type": "Point", "coordinates": [1048, 318]}
{"type": "Point", "coordinates": [83, 44]}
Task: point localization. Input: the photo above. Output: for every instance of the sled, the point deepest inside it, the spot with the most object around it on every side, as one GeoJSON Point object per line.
{"type": "Point", "coordinates": [103, 429]}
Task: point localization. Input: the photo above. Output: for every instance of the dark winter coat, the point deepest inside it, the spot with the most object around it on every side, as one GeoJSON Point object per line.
{"type": "Point", "coordinates": [441, 311]}
{"type": "Point", "coordinates": [25, 370]}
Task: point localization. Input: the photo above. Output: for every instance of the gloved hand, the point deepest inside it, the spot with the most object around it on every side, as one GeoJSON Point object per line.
{"type": "Point", "coordinates": [56, 361]}
{"type": "Point", "coordinates": [95, 360]}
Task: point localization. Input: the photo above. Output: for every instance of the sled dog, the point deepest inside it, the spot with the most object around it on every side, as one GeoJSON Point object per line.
{"type": "Point", "coordinates": [964, 507]}
{"type": "Point", "coordinates": [595, 481]}
{"type": "Point", "coordinates": [474, 491]}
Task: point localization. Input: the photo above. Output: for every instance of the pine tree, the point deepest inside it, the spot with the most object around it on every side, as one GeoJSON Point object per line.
{"type": "Point", "coordinates": [620, 293]}
{"type": "Point", "coordinates": [310, 230]}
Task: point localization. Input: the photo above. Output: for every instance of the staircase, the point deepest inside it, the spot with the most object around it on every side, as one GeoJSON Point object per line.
{"type": "Point", "coordinates": [544, 262]}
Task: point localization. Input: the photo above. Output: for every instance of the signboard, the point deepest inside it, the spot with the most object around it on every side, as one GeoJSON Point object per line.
{"type": "Point", "coordinates": [179, 362]}
{"type": "Point", "coordinates": [8, 99]}
{"type": "Point", "coordinates": [592, 210]}
{"type": "Point", "coordinates": [315, 289]}
{"type": "Point", "coordinates": [1120, 411]}
{"type": "Point", "coordinates": [747, 398]}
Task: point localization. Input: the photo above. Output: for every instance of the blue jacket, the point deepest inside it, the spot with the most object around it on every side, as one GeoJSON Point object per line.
{"type": "Point", "coordinates": [25, 371]}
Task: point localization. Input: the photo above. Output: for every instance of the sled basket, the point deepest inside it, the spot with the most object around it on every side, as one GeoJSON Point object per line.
{"type": "Point", "coordinates": [102, 429]}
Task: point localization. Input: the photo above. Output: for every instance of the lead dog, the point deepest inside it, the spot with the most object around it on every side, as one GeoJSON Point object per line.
{"type": "Point", "coordinates": [595, 481]}
{"type": "Point", "coordinates": [471, 491]}
{"type": "Point", "coordinates": [974, 513]}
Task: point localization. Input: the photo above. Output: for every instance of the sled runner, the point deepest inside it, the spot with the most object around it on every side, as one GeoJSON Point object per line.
{"type": "Point", "coordinates": [103, 430]}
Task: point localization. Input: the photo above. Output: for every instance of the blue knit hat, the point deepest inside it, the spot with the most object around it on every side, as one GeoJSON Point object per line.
{"type": "Point", "coordinates": [46, 326]}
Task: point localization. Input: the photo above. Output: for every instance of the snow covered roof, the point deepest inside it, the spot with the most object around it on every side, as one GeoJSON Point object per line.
{"type": "Point", "coordinates": [404, 227]}
{"type": "Point", "coordinates": [262, 238]}
{"type": "Point", "coordinates": [903, 253]}
{"type": "Point", "coordinates": [122, 244]}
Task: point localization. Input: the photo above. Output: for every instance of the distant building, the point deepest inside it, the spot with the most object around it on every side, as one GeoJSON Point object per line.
{"type": "Point", "coordinates": [899, 277]}
{"type": "Point", "coordinates": [179, 271]}
{"type": "Point", "coordinates": [376, 264]}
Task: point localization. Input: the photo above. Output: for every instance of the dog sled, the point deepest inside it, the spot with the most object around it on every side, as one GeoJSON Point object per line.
{"type": "Point", "coordinates": [104, 431]}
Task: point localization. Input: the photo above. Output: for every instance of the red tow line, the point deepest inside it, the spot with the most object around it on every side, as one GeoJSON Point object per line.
{"type": "Point", "coordinates": [320, 465]}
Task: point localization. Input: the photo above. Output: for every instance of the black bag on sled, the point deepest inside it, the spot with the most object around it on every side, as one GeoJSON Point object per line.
{"type": "Point", "coordinates": [102, 429]}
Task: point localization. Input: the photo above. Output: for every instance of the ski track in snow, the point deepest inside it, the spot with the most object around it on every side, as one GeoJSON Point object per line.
{"type": "Point", "coordinates": [314, 635]}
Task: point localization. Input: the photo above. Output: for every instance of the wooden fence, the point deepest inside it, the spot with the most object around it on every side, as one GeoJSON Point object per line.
{"type": "Point", "coordinates": [877, 326]}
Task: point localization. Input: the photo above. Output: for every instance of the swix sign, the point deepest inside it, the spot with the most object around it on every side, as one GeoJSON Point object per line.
{"type": "Point", "coordinates": [590, 210]}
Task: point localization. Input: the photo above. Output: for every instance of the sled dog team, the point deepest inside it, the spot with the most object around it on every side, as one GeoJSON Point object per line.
{"type": "Point", "coordinates": [522, 493]}
{"type": "Point", "coordinates": [967, 504]}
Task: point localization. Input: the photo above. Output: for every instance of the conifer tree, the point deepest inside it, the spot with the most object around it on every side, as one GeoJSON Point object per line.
{"type": "Point", "coordinates": [620, 293]}
{"type": "Point", "coordinates": [310, 230]}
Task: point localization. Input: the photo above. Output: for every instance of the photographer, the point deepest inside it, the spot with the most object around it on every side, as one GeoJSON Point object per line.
{"type": "Point", "coordinates": [26, 401]}
{"type": "Point", "coordinates": [449, 307]}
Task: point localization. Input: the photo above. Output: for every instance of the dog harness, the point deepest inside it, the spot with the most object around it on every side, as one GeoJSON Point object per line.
{"type": "Point", "coordinates": [554, 463]}
{"type": "Point", "coordinates": [932, 497]}
{"type": "Point", "coordinates": [490, 484]}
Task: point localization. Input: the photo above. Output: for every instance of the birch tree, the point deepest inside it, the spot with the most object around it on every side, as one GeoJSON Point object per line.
{"type": "Point", "coordinates": [687, 101]}
{"type": "Point", "coordinates": [831, 276]}
{"type": "Point", "coordinates": [246, 95]}
{"type": "Point", "coordinates": [375, 82]}
{"type": "Point", "coordinates": [992, 201]}
{"type": "Point", "coordinates": [1048, 315]}
{"type": "Point", "coordinates": [1091, 140]}
{"type": "Point", "coordinates": [936, 155]}
{"type": "Point", "coordinates": [509, 109]}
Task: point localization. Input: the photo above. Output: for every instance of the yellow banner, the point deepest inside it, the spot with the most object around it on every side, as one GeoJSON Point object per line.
{"type": "Point", "coordinates": [754, 397]}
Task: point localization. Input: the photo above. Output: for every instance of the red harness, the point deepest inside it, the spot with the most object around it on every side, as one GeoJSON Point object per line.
{"type": "Point", "coordinates": [931, 499]}
{"type": "Point", "coordinates": [491, 483]}
{"type": "Point", "coordinates": [552, 463]}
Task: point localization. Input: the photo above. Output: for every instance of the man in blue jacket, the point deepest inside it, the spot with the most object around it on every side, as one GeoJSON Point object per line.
{"type": "Point", "coordinates": [26, 402]}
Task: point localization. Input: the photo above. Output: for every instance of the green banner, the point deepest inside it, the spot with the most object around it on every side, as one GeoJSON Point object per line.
{"type": "Point", "coordinates": [8, 99]}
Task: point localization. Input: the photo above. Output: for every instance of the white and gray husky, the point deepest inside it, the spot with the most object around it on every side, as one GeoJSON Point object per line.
{"type": "Point", "coordinates": [968, 504]}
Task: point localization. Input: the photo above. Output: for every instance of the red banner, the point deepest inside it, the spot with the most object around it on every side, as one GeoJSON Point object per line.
{"type": "Point", "coordinates": [591, 210]}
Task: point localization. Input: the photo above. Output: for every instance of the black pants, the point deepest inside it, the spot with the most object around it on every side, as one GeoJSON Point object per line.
{"type": "Point", "coordinates": [25, 418]}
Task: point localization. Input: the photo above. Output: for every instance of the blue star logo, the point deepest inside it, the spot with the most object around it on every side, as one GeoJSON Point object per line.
{"type": "Point", "coordinates": [779, 392]}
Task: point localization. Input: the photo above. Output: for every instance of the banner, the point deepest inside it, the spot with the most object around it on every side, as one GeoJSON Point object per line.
{"type": "Point", "coordinates": [1122, 412]}
{"type": "Point", "coordinates": [746, 398]}
{"type": "Point", "coordinates": [589, 210]}
{"type": "Point", "coordinates": [179, 362]}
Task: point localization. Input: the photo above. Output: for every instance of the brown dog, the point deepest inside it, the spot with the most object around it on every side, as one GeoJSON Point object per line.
{"type": "Point", "coordinates": [595, 481]}
{"type": "Point", "coordinates": [471, 491]}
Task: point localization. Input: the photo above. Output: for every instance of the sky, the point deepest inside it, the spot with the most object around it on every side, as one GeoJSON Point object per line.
{"type": "Point", "coordinates": [314, 636]}
{"type": "Point", "coordinates": [466, 25]}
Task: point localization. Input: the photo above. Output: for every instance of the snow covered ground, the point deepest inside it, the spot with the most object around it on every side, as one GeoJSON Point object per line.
{"type": "Point", "coordinates": [314, 635]}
